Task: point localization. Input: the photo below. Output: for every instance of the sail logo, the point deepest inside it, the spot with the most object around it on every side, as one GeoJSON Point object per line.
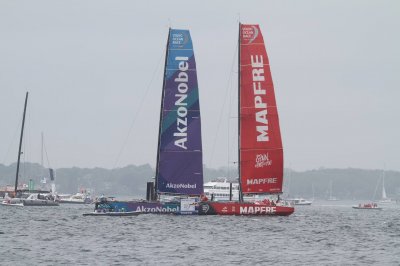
{"type": "Point", "coordinates": [156, 209]}
{"type": "Point", "coordinates": [257, 210]}
{"type": "Point", "coordinates": [250, 33]}
{"type": "Point", "coordinates": [179, 39]}
{"type": "Point", "coordinates": [262, 181]}
{"type": "Point", "coordinates": [205, 208]}
{"type": "Point", "coordinates": [262, 160]}
{"type": "Point", "coordinates": [177, 186]}
{"type": "Point", "coordinates": [182, 80]}
{"type": "Point", "coordinates": [260, 104]}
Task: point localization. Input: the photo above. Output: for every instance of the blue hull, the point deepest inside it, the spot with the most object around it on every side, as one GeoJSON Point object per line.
{"type": "Point", "coordinates": [141, 206]}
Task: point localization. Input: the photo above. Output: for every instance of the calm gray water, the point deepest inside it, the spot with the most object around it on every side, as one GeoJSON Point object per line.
{"type": "Point", "coordinates": [321, 234]}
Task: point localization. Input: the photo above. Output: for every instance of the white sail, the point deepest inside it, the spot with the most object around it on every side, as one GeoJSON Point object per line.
{"type": "Point", "coordinates": [384, 198]}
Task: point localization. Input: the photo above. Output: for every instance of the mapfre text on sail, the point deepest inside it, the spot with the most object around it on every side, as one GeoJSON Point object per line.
{"type": "Point", "coordinates": [257, 64]}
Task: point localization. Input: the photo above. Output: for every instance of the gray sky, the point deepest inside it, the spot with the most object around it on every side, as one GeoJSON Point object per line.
{"type": "Point", "coordinates": [91, 65]}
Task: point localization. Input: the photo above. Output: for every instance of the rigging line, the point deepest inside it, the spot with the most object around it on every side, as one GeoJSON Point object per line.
{"type": "Point", "coordinates": [47, 157]}
{"type": "Point", "coordinates": [11, 143]}
{"type": "Point", "coordinates": [232, 100]}
{"type": "Point", "coordinates": [231, 88]}
{"type": "Point", "coordinates": [25, 143]}
{"type": "Point", "coordinates": [223, 105]}
{"type": "Point", "coordinates": [137, 112]}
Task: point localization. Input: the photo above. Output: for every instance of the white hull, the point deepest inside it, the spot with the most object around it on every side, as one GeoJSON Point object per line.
{"type": "Point", "coordinates": [4, 203]}
{"type": "Point", "coordinates": [25, 202]}
{"type": "Point", "coordinates": [39, 202]}
{"type": "Point", "coordinates": [78, 198]}
{"type": "Point", "coordinates": [300, 202]}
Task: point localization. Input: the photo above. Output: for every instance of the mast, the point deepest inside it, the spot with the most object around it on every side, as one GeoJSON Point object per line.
{"type": "Point", "coordinates": [155, 194]}
{"type": "Point", "coordinates": [20, 144]}
{"type": "Point", "coordinates": [239, 175]}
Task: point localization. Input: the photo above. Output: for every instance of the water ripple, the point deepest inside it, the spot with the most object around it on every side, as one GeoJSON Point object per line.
{"type": "Point", "coordinates": [316, 235]}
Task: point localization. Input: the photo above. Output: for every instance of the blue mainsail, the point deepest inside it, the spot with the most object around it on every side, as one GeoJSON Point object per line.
{"type": "Point", "coordinates": [180, 162]}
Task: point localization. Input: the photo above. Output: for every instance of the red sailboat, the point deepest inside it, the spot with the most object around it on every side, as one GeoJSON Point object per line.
{"type": "Point", "coordinates": [260, 143]}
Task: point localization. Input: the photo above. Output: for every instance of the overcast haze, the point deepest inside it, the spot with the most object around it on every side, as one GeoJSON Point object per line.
{"type": "Point", "coordinates": [94, 68]}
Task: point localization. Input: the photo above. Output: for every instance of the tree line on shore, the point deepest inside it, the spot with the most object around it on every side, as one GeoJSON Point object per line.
{"type": "Point", "coordinates": [131, 180]}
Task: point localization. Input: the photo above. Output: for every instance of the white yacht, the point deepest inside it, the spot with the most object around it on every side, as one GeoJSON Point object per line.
{"type": "Point", "coordinates": [78, 198]}
{"type": "Point", "coordinates": [219, 191]}
{"type": "Point", "coordinates": [300, 201]}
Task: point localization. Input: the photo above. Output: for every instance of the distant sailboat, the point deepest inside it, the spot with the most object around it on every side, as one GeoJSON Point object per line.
{"type": "Point", "coordinates": [260, 145]}
{"type": "Point", "coordinates": [384, 198]}
{"type": "Point", "coordinates": [331, 197]}
{"type": "Point", "coordinates": [298, 200]}
{"type": "Point", "coordinates": [179, 166]}
{"type": "Point", "coordinates": [31, 199]}
{"type": "Point", "coordinates": [373, 205]}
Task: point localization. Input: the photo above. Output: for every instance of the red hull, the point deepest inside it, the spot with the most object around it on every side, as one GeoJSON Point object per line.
{"type": "Point", "coordinates": [245, 208]}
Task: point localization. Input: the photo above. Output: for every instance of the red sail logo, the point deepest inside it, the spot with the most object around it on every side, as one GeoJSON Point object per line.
{"type": "Point", "coordinates": [262, 160]}
{"type": "Point", "coordinates": [249, 33]}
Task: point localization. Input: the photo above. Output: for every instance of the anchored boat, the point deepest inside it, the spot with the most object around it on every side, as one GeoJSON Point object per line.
{"type": "Point", "coordinates": [19, 197]}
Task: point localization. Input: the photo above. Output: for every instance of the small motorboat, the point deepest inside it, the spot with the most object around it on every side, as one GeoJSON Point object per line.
{"type": "Point", "coordinates": [300, 201]}
{"type": "Point", "coordinates": [10, 203]}
{"type": "Point", "coordinates": [367, 206]}
{"type": "Point", "coordinates": [40, 200]}
{"type": "Point", "coordinates": [78, 198]}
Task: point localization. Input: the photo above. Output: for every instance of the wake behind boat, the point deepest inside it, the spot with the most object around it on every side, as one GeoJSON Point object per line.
{"type": "Point", "coordinates": [134, 213]}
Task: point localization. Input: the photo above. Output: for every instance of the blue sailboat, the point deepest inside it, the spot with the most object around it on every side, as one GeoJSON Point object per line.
{"type": "Point", "coordinates": [179, 167]}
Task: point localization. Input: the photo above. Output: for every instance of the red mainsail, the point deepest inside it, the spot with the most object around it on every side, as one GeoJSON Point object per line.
{"type": "Point", "coordinates": [261, 152]}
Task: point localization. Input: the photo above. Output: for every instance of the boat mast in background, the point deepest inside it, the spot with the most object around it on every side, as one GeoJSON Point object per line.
{"type": "Point", "coordinates": [20, 144]}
